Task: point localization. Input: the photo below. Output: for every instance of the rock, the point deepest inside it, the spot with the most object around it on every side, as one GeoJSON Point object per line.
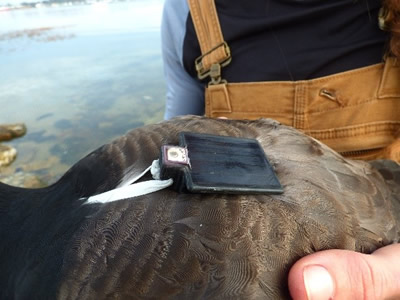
{"type": "Point", "coordinates": [11, 131]}
{"type": "Point", "coordinates": [26, 180]}
{"type": "Point", "coordinates": [7, 155]}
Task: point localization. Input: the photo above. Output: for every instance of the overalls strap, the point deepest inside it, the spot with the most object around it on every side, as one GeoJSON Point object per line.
{"type": "Point", "coordinates": [214, 50]}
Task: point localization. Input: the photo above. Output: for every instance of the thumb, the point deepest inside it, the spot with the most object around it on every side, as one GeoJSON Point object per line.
{"type": "Point", "coordinates": [343, 274]}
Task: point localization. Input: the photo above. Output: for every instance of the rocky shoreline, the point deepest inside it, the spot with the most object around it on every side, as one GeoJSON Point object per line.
{"type": "Point", "coordinates": [7, 133]}
{"type": "Point", "coordinates": [8, 154]}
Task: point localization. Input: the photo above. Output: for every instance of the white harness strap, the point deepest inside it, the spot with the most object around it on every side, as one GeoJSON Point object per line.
{"type": "Point", "coordinates": [130, 190]}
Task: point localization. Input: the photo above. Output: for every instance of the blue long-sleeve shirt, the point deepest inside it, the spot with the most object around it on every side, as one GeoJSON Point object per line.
{"type": "Point", "coordinates": [185, 94]}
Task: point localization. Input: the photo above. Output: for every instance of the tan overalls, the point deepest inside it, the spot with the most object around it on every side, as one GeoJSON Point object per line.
{"type": "Point", "coordinates": [356, 112]}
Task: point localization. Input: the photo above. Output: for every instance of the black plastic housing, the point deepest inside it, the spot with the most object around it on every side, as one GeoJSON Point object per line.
{"type": "Point", "coordinates": [220, 164]}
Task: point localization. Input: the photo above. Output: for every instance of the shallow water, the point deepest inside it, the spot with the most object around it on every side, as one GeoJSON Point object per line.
{"type": "Point", "coordinates": [78, 77]}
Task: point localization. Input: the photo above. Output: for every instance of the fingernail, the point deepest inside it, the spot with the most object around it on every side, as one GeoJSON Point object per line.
{"type": "Point", "coordinates": [318, 283]}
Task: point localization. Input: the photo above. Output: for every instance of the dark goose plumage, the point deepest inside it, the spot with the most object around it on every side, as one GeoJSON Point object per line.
{"type": "Point", "coordinates": [177, 246]}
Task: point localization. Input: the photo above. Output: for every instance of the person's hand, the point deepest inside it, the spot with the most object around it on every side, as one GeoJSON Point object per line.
{"type": "Point", "coordinates": [342, 274]}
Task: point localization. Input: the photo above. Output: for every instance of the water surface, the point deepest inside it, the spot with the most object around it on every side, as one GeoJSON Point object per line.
{"type": "Point", "coordinates": [78, 76]}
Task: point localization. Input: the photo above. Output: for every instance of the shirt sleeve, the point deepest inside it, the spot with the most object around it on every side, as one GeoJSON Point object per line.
{"type": "Point", "coordinates": [185, 94]}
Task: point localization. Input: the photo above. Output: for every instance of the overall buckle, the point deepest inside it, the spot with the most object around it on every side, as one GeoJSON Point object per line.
{"type": "Point", "coordinates": [215, 70]}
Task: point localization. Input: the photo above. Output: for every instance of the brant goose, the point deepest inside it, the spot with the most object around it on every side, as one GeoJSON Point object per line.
{"type": "Point", "coordinates": [57, 244]}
